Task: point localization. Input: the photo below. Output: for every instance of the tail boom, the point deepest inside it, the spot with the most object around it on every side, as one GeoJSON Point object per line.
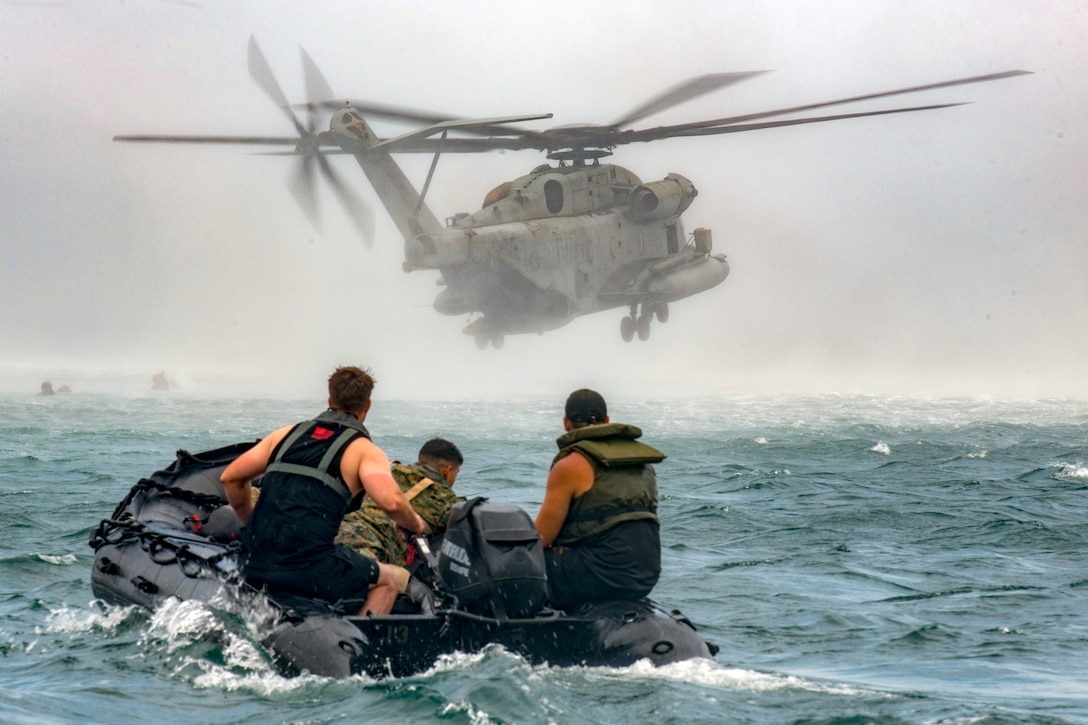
{"type": "Point", "coordinates": [400, 199]}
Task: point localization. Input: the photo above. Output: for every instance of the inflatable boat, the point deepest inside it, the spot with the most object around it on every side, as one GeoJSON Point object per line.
{"type": "Point", "coordinates": [482, 584]}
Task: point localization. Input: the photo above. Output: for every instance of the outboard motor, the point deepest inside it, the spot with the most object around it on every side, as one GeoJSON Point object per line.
{"type": "Point", "coordinates": [492, 561]}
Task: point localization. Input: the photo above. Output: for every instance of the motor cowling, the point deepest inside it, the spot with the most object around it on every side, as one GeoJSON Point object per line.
{"type": "Point", "coordinates": [425, 251]}
{"type": "Point", "coordinates": [492, 561]}
{"type": "Point", "coordinates": [660, 199]}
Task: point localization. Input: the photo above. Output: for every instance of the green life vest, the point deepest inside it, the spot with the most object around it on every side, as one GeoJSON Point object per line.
{"type": "Point", "coordinates": [624, 482]}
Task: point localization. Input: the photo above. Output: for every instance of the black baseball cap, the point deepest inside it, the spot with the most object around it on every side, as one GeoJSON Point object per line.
{"type": "Point", "coordinates": [586, 406]}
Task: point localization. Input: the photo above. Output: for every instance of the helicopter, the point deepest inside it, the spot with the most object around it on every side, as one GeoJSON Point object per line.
{"type": "Point", "coordinates": [568, 239]}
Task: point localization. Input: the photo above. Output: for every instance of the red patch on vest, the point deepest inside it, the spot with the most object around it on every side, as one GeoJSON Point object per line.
{"type": "Point", "coordinates": [321, 434]}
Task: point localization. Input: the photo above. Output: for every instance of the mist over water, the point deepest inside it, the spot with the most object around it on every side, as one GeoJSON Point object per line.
{"type": "Point", "coordinates": [934, 253]}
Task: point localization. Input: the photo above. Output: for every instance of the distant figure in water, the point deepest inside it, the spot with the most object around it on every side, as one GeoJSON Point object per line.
{"type": "Point", "coordinates": [64, 389]}
{"type": "Point", "coordinates": [47, 388]}
{"type": "Point", "coordinates": [159, 381]}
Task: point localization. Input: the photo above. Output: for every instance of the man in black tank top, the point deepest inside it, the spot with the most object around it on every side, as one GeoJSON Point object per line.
{"type": "Point", "coordinates": [310, 472]}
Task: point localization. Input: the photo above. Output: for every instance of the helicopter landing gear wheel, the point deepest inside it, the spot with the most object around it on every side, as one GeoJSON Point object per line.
{"type": "Point", "coordinates": [644, 326]}
{"type": "Point", "coordinates": [497, 341]}
{"type": "Point", "coordinates": [662, 311]}
{"type": "Point", "coordinates": [627, 328]}
{"type": "Point", "coordinates": [481, 342]}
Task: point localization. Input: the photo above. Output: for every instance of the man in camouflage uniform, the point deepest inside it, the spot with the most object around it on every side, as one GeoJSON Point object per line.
{"type": "Point", "coordinates": [428, 485]}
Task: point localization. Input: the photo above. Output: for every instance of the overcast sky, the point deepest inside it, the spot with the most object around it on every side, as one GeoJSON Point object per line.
{"type": "Point", "coordinates": [942, 253]}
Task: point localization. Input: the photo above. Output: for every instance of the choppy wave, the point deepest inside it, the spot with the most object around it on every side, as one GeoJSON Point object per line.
{"type": "Point", "coordinates": [62, 560]}
{"type": "Point", "coordinates": [847, 552]}
{"type": "Point", "coordinates": [714, 675]}
{"type": "Point", "coordinates": [105, 619]}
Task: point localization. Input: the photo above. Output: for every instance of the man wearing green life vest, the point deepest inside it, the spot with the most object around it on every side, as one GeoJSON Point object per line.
{"type": "Point", "coordinates": [598, 521]}
{"type": "Point", "coordinates": [428, 486]}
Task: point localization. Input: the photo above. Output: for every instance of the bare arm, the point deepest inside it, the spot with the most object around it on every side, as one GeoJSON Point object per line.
{"type": "Point", "coordinates": [238, 475]}
{"type": "Point", "coordinates": [570, 477]}
{"type": "Point", "coordinates": [378, 482]}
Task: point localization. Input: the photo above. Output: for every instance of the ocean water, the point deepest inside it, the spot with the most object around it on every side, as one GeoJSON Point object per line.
{"type": "Point", "coordinates": [857, 559]}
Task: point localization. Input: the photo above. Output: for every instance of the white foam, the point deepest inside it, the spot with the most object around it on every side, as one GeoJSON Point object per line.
{"type": "Point", "coordinates": [882, 448]}
{"type": "Point", "coordinates": [708, 673]}
{"type": "Point", "coordinates": [244, 668]}
{"type": "Point", "coordinates": [977, 454]}
{"type": "Point", "coordinates": [703, 672]}
{"type": "Point", "coordinates": [459, 660]}
{"type": "Point", "coordinates": [258, 613]}
{"type": "Point", "coordinates": [178, 623]}
{"type": "Point", "coordinates": [62, 560]}
{"type": "Point", "coordinates": [263, 682]}
{"type": "Point", "coordinates": [239, 652]}
{"type": "Point", "coordinates": [1072, 470]}
{"type": "Point", "coordinates": [760, 440]}
{"type": "Point", "coordinates": [475, 716]}
{"type": "Point", "coordinates": [68, 619]}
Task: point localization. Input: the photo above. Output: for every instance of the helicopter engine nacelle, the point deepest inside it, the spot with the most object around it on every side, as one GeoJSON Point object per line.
{"type": "Point", "coordinates": [426, 252]}
{"type": "Point", "coordinates": [660, 199]}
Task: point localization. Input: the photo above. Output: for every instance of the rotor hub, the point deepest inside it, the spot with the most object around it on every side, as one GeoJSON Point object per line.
{"type": "Point", "coordinates": [577, 155]}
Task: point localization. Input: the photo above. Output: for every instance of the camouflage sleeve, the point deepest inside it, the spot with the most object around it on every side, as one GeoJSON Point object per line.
{"type": "Point", "coordinates": [405, 476]}
{"type": "Point", "coordinates": [433, 505]}
{"type": "Point", "coordinates": [357, 534]}
{"type": "Point", "coordinates": [369, 530]}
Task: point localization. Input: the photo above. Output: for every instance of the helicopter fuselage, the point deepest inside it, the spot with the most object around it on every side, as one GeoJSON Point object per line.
{"type": "Point", "coordinates": [560, 242]}
{"type": "Point", "coordinates": [567, 241]}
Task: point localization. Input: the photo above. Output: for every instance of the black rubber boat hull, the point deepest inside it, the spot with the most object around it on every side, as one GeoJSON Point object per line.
{"type": "Point", "coordinates": [156, 546]}
{"type": "Point", "coordinates": [614, 634]}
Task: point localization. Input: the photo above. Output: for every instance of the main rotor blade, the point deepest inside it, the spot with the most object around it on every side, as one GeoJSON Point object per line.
{"type": "Point", "coordinates": [479, 125]}
{"type": "Point", "coordinates": [430, 146]}
{"type": "Point", "coordinates": [316, 87]}
{"type": "Point", "coordinates": [397, 113]}
{"type": "Point", "coordinates": [853, 99]}
{"type": "Point", "coordinates": [652, 135]}
{"type": "Point", "coordinates": [381, 110]}
{"type": "Point", "coordinates": [302, 188]}
{"type": "Point", "coordinates": [261, 72]}
{"type": "Point", "coordinates": [260, 140]}
{"type": "Point", "coordinates": [686, 91]}
{"type": "Point", "coordinates": [356, 208]}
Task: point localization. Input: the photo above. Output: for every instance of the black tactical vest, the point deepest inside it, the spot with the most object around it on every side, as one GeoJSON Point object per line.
{"type": "Point", "coordinates": [303, 496]}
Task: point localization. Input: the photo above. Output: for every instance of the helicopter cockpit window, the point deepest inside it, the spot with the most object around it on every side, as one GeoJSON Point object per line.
{"type": "Point", "coordinates": [553, 196]}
